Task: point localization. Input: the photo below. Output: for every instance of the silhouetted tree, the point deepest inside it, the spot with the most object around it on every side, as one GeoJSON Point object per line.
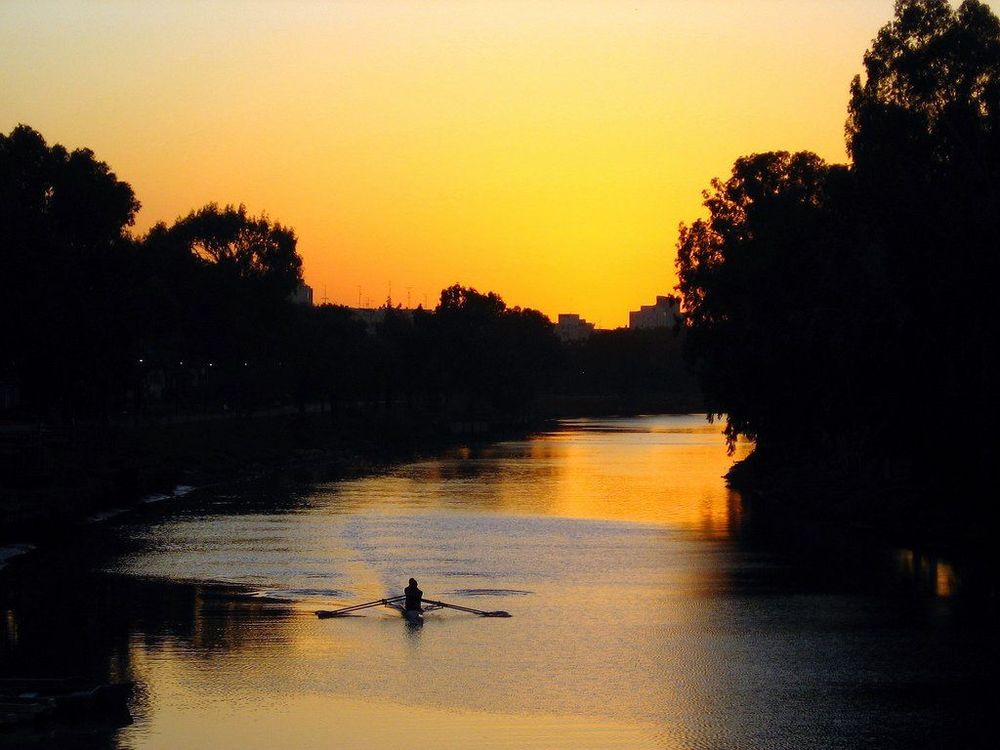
{"type": "Point", "coordinates": [837, 311]}
{"type": "Point", "coordinates": [328, 355]}
{"type": "Point", "coordinates": [65, 274]}
{"type": "Point", "coordinates": [492, 355]}
{"type": "Point", "coordinates": [253, 249]}
{"type": "Point", "coordinates": [763, 297]}
{"type": "Point", "coordinates": [924, 135]}
{"type": "Point", "coordinates": [395, 355]}
{"type": "Point", "coordinates": [224, 298]}
{"type": "Point", "coordinates": [630, 365]}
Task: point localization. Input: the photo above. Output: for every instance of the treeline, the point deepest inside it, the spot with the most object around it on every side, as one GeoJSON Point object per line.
{"type": "Point", "coordinates": [845, 314]}
{"type": "Point", "coordinates": [471, 355]}
{"type": "Point", "coordinates": [89, 312]}
{"type": "Point", "coordinates": [198, 316]}
{"type": "Point", "coordinates": [638, 369]}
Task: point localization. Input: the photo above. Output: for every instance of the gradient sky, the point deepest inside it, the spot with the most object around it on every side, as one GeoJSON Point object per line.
{"type": "Point", "coordinates": [544, 150]}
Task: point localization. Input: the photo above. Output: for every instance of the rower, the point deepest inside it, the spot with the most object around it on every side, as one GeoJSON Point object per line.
{"type": "Point", "coordinates": [413, 596]}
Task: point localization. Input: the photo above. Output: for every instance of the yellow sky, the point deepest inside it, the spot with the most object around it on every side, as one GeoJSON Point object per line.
{"type": "Point", "coordinates": [545, 150]}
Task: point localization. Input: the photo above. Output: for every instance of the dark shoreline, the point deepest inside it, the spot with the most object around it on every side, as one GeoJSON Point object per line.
{"type": "Point", "coordinates": [790, 506]}
{"type": "Point", "coordinates": [91, 469]}
{"type": "Point", "coordinates": [804, 508]}
{"type": "Point", "coordinates": [53, 479]}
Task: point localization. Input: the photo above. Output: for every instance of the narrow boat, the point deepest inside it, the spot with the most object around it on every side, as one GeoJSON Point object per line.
{"type": "Point", "coordinates": [414, 617]}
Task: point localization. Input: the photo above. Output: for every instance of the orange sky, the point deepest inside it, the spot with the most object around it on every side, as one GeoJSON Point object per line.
{"type": "Point", "coordinates": [545, 150]}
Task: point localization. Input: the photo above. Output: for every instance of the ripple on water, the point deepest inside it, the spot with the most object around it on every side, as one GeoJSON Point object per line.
{"type": "Point", "coordinates": [490, 592]}
{"type": "Point", "coordinates": [652, 625]}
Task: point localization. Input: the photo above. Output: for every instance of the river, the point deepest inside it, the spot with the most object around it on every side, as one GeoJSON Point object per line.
{"type": "Point", "coordinates": [645, 612]}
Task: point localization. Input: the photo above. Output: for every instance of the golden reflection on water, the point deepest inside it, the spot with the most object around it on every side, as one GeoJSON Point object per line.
{"type": "Point", "coordinates": [636, 623]}
{"type": "Point", "coordinates": [671, 474]}
{"type": "Point", "coordinates": [664, 470]}
{"type": "Point", "coordinates": [247, 717]}
{"type": "Point", "coordinates": [946, 581]}
{"type": "Point", "coordinates": [247, 675]}
{"type": "Point", "coordinates": [10, 627]}
{"type": "Point", "coordinates": [927, 572]}
{"type": "Point", "coordinates": [542, 517]}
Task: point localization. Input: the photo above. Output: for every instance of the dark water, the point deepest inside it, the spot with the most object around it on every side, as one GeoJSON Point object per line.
{"type": "Point", "coordinates": [646, 612]}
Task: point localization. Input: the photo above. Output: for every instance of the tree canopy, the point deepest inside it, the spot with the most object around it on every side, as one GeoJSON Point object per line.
{"type": "Point", "coordinates": [251, 249]}
{"type": "Point", "coordinates": [64, 251]}
{"type": "Point", "coordinates": [198, 315]}
{"type": "Point", "coordinates": [839, 310]}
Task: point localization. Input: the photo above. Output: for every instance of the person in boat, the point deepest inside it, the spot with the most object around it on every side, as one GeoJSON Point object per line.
{"type": "Point", "coordinates": [414, 596]}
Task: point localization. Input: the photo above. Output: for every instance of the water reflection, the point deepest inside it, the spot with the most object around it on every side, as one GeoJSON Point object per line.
{"type": "Point", "coordinates": [664, 470]}
{"type": "Point", "coordinates": [647, 614]}
{"type": "Point", "coordinates": [927, 572]}
{"type": "Point", "coordinates": [110, 629]}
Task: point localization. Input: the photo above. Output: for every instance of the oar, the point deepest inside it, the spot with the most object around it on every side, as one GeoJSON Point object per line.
{"type": "Point", "coordinates": [344, 611]}
{"type": "Point", "coordinates": [481, 613]}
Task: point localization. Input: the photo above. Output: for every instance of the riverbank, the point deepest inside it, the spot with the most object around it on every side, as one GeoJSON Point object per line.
{"type": "Point", "coordinates": [713, 640]}
{"type": "Point", "coordinates": [577, 405]}
{"type": "Point", "coordinates": [54, 478]}
{"type": "Point", "coordinates": [57, 479]}
{"type": "Point", "coordinates": [807, 506]}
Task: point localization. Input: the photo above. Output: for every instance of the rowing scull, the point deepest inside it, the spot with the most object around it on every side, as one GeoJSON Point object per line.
{"type": "Point", "coordinates": [413, 616]}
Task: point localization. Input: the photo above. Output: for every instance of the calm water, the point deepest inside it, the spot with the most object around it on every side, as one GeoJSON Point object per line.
{"type": "Point", "coordinates": [646, 612]}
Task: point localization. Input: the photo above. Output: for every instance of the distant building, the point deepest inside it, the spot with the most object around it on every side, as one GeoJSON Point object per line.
{"type": "Point", "coordinates": [664, 314]}
{"type": "Point", "coordinates": [571, 327]}
{"type": "Point", "coordinates": [303, 295]}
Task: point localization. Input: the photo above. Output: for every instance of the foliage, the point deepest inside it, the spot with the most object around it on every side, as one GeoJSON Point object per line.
{"type": "Point", "coordinates": [630, 366]}
{"type": "Point", "coordinates": [839, 311]}
{"type": "Point", "coordinates": [198, 315]}
{"type": "Point", "coordinates": [761, 293]}
{"type": "Point", "coordinates": [64, 254]}
{"type": "Point", "coordinates": [249, 249]}
{"type": "Point", "coordinates": [224, 281]}
{"type": "Point", "coordinates": [494, 354]}
{"type": "Point", "coordinates": [924, 134]}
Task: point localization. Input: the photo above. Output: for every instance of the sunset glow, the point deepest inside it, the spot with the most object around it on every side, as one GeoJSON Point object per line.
{"type": "Point", "coordinates": [543, 150]}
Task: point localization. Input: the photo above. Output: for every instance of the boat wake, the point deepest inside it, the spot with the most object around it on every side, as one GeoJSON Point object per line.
{"type": "Point", "coordinates": [298, 595]}
{"type": "Point", "coordinates": [179, 491]}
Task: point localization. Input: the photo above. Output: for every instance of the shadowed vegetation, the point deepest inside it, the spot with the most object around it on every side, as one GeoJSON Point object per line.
{"type": "Point", "coordinates": [841, 316]}
{"type": "Point", "coordinates": [117, 345]}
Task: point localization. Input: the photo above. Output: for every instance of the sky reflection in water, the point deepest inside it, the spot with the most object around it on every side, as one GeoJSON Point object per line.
{"type": "Point", "coordinates": [641, 619]}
